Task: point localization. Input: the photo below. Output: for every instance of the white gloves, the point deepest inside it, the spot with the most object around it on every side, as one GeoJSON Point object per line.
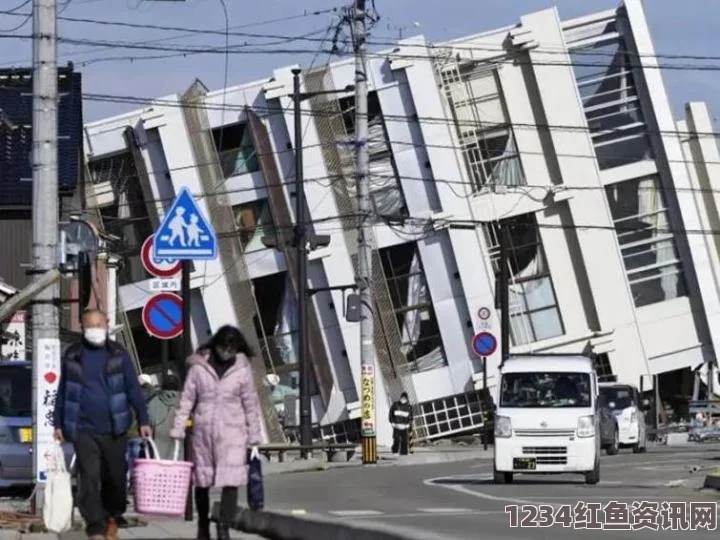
{"type": "Point", "coordinates": [254, 452]}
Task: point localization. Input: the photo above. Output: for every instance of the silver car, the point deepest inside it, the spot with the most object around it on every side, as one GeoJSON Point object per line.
{"type": "Point", "coordinates": [16, 429]}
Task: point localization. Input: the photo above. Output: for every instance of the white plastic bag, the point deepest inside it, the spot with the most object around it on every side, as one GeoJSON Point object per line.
{"type": "Point", "coordinates": [58, 503]}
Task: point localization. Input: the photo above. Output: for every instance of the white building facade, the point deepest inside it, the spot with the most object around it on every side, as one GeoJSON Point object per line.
{"type": "Point", "coordinates": [562, 129]}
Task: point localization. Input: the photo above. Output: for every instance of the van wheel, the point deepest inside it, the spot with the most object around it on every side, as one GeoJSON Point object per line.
{"type": "Point", "coordinates": [614, 448]}
{"type": "Point", "coordinates": [502, 477]}
{"type": "Point", "coordinates": [593, 477]}
{"type": "Point", "coordinates": [637, 449]}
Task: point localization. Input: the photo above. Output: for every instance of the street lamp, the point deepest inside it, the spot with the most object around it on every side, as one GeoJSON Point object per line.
{"type": "Point", "coordinates": [302, 242]}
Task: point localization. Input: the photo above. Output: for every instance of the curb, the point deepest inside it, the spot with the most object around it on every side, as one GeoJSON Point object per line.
{"type": "Point", "coordinates": [417, 459]}
{"type": "Point", "coordinates": [712, 482]}
{"type": "Point", "coordinates": [286, 526]}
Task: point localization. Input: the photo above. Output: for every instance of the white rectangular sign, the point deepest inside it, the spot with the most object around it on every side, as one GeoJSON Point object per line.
{"type": "Point", "coordinates": [13, 343]}
{"type": "Point", "coordinates": [164, 284]}
{"type": "Point", "coordinates": [46, 372]}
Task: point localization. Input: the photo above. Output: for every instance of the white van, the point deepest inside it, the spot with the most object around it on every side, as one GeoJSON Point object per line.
{"type": "Point", "coordinates": [546, 419]}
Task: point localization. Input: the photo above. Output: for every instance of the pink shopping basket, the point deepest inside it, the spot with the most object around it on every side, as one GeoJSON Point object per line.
{"type": "Point", "coordinates": [161, 485]}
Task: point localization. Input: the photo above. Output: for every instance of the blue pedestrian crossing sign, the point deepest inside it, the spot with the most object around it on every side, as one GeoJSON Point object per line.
{"type": "Point", "coordinates": [185, 233]}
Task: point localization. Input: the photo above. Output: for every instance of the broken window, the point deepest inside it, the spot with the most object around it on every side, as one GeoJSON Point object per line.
{"type": "Point", "coordinates": [421, 340]}
{"type": "Point", "coordinates": [127, 217]}
{"type": "Point", "coordinates": [603, 368]}
{"type": "Point", "coordinates": [277, 330]}
{"type": "Point", "coordinates": [385, 194]}
{"type": "Point", "coordinates": [646, 239]}
{"type": "Point", "coordinates": [483, 126]}
{"type": "Point", "coordinates": [534, 313]}
{"type": "Point", "coordinates": [235, 150]}
{"type": "Point", "coordinates": [253, 221]}
{"type": "Point", "coordinates": [611, 102]}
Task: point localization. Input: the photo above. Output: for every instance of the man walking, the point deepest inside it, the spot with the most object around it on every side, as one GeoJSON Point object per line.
{"type": "Point", "coordinates": [98, 386]}
{"type": "Point", "coordinates": [401, 421]}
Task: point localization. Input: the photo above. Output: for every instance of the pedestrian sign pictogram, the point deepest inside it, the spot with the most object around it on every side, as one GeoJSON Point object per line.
{"type": "Point", "coordinates": [185, 233]}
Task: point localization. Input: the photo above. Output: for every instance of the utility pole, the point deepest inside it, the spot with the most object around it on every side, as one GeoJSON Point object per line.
{"type": "Point", "coordinates": [300, 242]}
{"type": "Point", "coordinates": [364, 278]}
{"type": "Point", "coordinates": [45, 217]}
{"type": "Point", "coordinates": [504, 292]}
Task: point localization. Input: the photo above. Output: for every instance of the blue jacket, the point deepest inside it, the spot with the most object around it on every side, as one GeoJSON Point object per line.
{"type": "Point", "coordinates": [123, 389]}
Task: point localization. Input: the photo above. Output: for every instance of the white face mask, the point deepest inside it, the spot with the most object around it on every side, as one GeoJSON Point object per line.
{"type": "Point", "coordinates": [95, 336]}
{"type": "Point", "coordinates": [403, 400]}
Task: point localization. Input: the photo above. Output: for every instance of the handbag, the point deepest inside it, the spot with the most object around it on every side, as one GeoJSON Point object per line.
{"type": "Point", "coordinates": [58, 503]}
{"type": "Point", "coordinates": [255, 489]}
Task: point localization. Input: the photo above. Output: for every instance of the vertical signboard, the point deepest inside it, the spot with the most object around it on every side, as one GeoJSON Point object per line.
{"type": "Point", "coordinates": [367, 405]}
{"type": "Point", "coordinates": [46, 379]}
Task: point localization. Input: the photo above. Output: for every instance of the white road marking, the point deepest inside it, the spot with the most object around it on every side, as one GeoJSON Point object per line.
{"type": "Point", "coordinates": [353, 513]}
{"type": "Point", "coordinates": [480, 495]}
{"type": "Point", "coordinates": [444, 510]}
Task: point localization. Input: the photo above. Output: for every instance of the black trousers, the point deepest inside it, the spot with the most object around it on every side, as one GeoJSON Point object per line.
{"type": "Point", "coordinates": [228, 504]}
{"type": "Point", "coordinates": [400, 441]}
{"type": "Point", "coordinates": [102, 479]}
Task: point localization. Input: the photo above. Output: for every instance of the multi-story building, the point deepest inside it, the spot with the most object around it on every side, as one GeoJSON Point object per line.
{"type": "Point", "coordinates": [562, 129]}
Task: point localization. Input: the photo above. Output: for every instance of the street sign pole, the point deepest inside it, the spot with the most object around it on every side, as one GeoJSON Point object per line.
{"type": "Point", "coordinates": [486, 396]}
{"type": "Point", "coordinates": [187, 348]}
{"type": "Point", "coordinates": [185, 235]}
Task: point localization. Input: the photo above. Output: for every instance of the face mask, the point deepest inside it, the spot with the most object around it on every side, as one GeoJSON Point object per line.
{"type": "Point", "coordinates": [225, 355]}
{"type": "Point", "coordinates": [403, 400]}
{"type": "Point", "coordinates": [95, 336]}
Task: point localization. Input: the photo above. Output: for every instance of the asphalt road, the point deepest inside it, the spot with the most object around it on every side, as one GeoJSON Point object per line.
{"type": "Point", "coordinates": [459, 499]}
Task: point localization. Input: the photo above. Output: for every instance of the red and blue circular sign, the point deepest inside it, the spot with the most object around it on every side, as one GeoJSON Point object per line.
{"type": "Point", "coordinates": [484, 344]}
{"type": "Point", "coordinates": [162, 315]}
{"type": "Point", "coordinates": [161, 269]}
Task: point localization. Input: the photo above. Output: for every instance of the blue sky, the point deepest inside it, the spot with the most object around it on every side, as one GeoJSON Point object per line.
{"type": "Point", "coordinates": [678, 28]}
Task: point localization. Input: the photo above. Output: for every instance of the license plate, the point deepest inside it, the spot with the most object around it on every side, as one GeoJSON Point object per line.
{"type": "Point", "coordinates": [26, 435]}
{"type": "Point", "coordinates": [524, 464]}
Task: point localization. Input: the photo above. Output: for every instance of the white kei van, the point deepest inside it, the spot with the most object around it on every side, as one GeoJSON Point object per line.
{"type": "Point", "coordinates": [546, 420]}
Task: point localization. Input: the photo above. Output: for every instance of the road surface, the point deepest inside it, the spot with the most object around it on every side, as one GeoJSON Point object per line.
{"type": "Point", "coordinates": [460, 500]}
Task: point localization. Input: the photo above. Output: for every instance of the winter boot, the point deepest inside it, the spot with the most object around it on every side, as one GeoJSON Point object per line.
{"type": "Point", "coordinates": [203, 530]}
{"type": "Point", "coordinates": [223, 531]}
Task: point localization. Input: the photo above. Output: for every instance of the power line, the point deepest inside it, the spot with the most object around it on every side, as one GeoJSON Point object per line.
{"type": "Point", "coordinates": [190, 34]}
{"type": "Point", "coordinates": [481, 126]}
{"type": "Point", "coordinates": [392, 43]}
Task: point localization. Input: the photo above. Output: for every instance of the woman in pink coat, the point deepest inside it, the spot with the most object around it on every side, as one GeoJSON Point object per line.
{"type": "Point", "coordinates": [220, 394]}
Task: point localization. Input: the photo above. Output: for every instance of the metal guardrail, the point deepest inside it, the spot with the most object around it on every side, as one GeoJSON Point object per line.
{"type": "Point", "coordinates": [703, 406]}
{"type": "Point", "coordinates": [287, 526]}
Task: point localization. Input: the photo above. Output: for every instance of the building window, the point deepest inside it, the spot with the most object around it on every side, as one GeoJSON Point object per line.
{"type": "Point", "coordinates": [534, 313]}
{"type": "Point", "coordinates": [449, 415]}
{"type": "Point", "coordinates": [385, 193]}
{"type": "Point", "coordinates": [127, 217]}
{"type": "Point", "coordinates": [277, 330]}
{"type": "Point", "coordinates": [253, 221]}
{"type": "Point", "coordinates": [235, 150]}
{"type": "Point", "coordinates": [611, 102]}
{"type": "Point", "coordinates": [483, 126]}
{"type": "Point", "coordinates": [646, 239]}
{"type": "Point", "coordinates": [603, 368]}
{"type": "Point", "coordinates": [420, 334]}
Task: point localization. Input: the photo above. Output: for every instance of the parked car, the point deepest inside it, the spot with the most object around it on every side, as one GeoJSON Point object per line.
{"type": "Point", "coordinates": [626, 405]}
{"type": "Point", "coordinates": [609, 430]}
{"type": "Point", "coordinates": [16, 429]}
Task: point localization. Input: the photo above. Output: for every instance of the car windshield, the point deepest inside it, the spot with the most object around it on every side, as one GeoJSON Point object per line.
{"type": "Point", "coordinates": [541, 390]}
{"type": "Point", "coordinates": [618, 397]}
{"type": "Point", "coordinates": [15, 390]}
